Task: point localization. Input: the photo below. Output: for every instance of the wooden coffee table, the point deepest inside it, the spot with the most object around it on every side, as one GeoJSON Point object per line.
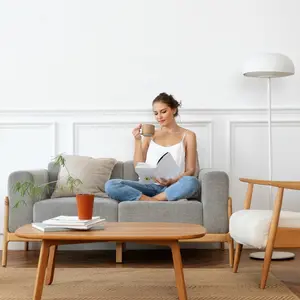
{"type": "Point", "coordinates": [149, 233]}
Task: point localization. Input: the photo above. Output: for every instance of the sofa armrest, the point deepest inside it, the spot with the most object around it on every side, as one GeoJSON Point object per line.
{"type": "Point", "coordinates": [214, 197]}
{"type": "Point", "coordinates": [23, 214]}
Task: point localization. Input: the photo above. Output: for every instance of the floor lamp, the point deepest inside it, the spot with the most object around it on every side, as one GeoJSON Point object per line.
{"type": "Point", "coordinates": [269, 65]}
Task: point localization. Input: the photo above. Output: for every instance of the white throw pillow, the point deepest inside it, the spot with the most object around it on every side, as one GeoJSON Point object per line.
{"type": "Point", "coordinates": [92, 172]}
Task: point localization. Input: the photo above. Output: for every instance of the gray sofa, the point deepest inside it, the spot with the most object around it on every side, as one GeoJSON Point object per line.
{"type": "Point", "coordinates": [208, 208]}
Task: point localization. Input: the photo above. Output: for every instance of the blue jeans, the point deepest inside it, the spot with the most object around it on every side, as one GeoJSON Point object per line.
{"type": "Point", "coordinates": [129, 190]}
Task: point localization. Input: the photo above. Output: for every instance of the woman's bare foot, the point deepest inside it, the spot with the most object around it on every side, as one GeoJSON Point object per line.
{"type": "Point", "coordinates": [146, 198]}
{"type": "Point", "coordinates": [160, 197]}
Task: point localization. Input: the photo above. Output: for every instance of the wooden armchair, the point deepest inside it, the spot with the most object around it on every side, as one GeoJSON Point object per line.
{"type": "Point", "coordinates": [283, 227]}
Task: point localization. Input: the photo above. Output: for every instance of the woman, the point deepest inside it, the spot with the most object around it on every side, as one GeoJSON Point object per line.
{"type": "Point", "coordinates": [182, 145]}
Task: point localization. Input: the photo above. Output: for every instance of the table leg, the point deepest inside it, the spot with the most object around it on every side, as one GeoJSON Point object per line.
{"type": "Point", "coordinates": [51, 265]}
{"type": "Point", "coordinates": [41, 270]}
{"type": "Point", "coordinates": [177, 263]}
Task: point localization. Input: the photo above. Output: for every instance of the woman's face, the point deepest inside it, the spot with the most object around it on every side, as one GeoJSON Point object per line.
{"type": "Point", "coordinates": [164, 114]}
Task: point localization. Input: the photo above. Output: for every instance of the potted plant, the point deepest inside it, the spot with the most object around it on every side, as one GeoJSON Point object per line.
{"type": "Point", "coordinates": [84, 201]}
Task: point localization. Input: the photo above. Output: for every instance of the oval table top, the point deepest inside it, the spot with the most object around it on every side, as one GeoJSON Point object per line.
{"type": "Point", "coordinates": [121, 231]}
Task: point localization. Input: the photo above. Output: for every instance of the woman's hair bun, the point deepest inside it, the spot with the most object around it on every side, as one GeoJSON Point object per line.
{"type": "Point", "coordinates": [169, 100]}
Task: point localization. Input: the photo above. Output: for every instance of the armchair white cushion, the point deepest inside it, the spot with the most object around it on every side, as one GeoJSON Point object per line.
{"type": "Point", "coordinates": [251, 227]}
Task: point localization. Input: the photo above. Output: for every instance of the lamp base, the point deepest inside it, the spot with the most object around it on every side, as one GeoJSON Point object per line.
{"type": "Point", "coordinates": [277, 255]}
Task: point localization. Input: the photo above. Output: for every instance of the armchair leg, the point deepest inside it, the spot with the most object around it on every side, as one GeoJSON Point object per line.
{"type": "Point", "coordinates": [271, 238]}
{"type": "Point", "coordinates": [238, 252]}
{"type": "Point", "coordinates": [266, 268]}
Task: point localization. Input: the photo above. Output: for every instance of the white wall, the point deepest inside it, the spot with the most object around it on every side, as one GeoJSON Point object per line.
{"type": "Point", "coordinates": [121, 53]}
{"type": "Point", "coordinates": [68, 69]}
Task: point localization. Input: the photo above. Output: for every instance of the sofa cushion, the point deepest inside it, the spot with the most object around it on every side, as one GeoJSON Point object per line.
{"type": "Point", "coordinates": [181, 211]}
{"type": "Point", "coordinates": [117, 171]}
{"type": "Point", "coordinates": [92, 172]}
{"type": "Point", "coordinates": [49, 208]}
{"type": "Point", "coordinates": [129, 171]}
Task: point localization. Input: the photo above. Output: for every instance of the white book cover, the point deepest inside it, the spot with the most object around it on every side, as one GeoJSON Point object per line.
{"type": "Point", "coordinates": [48, 228]}
{"type": "Point", "coordinates": [53, 228]}
{"type": "Point", "coordinates": [72, 220]}
{"type": "Point", "coordinates": [165, 168]}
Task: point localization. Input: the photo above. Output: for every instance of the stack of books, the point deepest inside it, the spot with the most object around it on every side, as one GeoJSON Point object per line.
{"type": "Point", "coordinates": [67, 223]}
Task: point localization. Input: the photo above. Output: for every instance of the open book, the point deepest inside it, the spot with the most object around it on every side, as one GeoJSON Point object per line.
{"type": "Point", "coordinates": [165, 168]}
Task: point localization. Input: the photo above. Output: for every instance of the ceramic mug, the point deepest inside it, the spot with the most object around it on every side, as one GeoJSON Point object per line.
{"type": "Point", "coordinates": [148, 129]}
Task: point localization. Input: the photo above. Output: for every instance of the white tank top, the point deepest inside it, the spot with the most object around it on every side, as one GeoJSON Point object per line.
{"type": "Point", "coordinates": [155, 151]}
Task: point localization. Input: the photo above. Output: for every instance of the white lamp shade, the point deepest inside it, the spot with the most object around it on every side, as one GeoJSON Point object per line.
{"type": "Point", "coordinates": [269, 65]}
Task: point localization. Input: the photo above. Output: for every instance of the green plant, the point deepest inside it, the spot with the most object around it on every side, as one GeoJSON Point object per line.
{"type": "Point", "coordinates": [37, 191]}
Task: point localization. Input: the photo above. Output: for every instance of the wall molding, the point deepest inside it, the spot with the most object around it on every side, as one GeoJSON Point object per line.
{"type": "Point", "coordinates": [76, 125]}
{"type": "Point", "coordinates": [52, 125]}
{"type": "Point", "coordinates": [110, 111]}
{"type": "Point", "coordinates": [252, 123]}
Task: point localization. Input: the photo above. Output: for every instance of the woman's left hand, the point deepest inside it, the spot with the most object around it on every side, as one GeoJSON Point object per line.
{"type": "Point", "coordinates": [164, 182]}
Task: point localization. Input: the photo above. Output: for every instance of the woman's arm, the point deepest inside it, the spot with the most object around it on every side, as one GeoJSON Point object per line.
{"type": "Point", "coordinates": [140, 146]}
{"type": "Point", "coordinates": [140, 150]}
{"type": "Point", "coordinates": [190, 157]}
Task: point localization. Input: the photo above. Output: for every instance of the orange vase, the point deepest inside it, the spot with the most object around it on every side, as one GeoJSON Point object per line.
{"type": "Point", "coordinates": [85, 206]}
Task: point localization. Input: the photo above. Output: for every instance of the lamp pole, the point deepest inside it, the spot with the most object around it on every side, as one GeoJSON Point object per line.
{"type": "Point", "coordinates": [269, 65]}
{"type": "Point", "coordinates": [270, 140]}
{"type": "Point", "coordinates": [276, 255]}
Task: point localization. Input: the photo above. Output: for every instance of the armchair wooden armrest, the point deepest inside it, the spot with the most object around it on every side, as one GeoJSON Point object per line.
{"type": "Point", "coordinates": [292, 185]}
{"type": "Point", "coordinates": [281, 185]}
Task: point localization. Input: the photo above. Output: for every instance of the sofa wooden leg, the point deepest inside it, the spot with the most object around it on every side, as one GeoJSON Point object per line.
{"type": "Point", "coordinates": [238, 252]}
{"type": "Point", "coordinates": [231, 252]}
{"type": "Point", "coordinates": [119, 252]}
{"type": "Point", "coordinates": [26, 246]}
{"type": "Point", "coordinates": [5, 232]}
{"type": "Point", "coordinates": [222, 245]}
{"type": "Point", "coordinates": [4, 251]}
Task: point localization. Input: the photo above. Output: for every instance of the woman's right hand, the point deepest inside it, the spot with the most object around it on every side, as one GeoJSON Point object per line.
{"type": "Point", "coordinates": [136, 132]}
